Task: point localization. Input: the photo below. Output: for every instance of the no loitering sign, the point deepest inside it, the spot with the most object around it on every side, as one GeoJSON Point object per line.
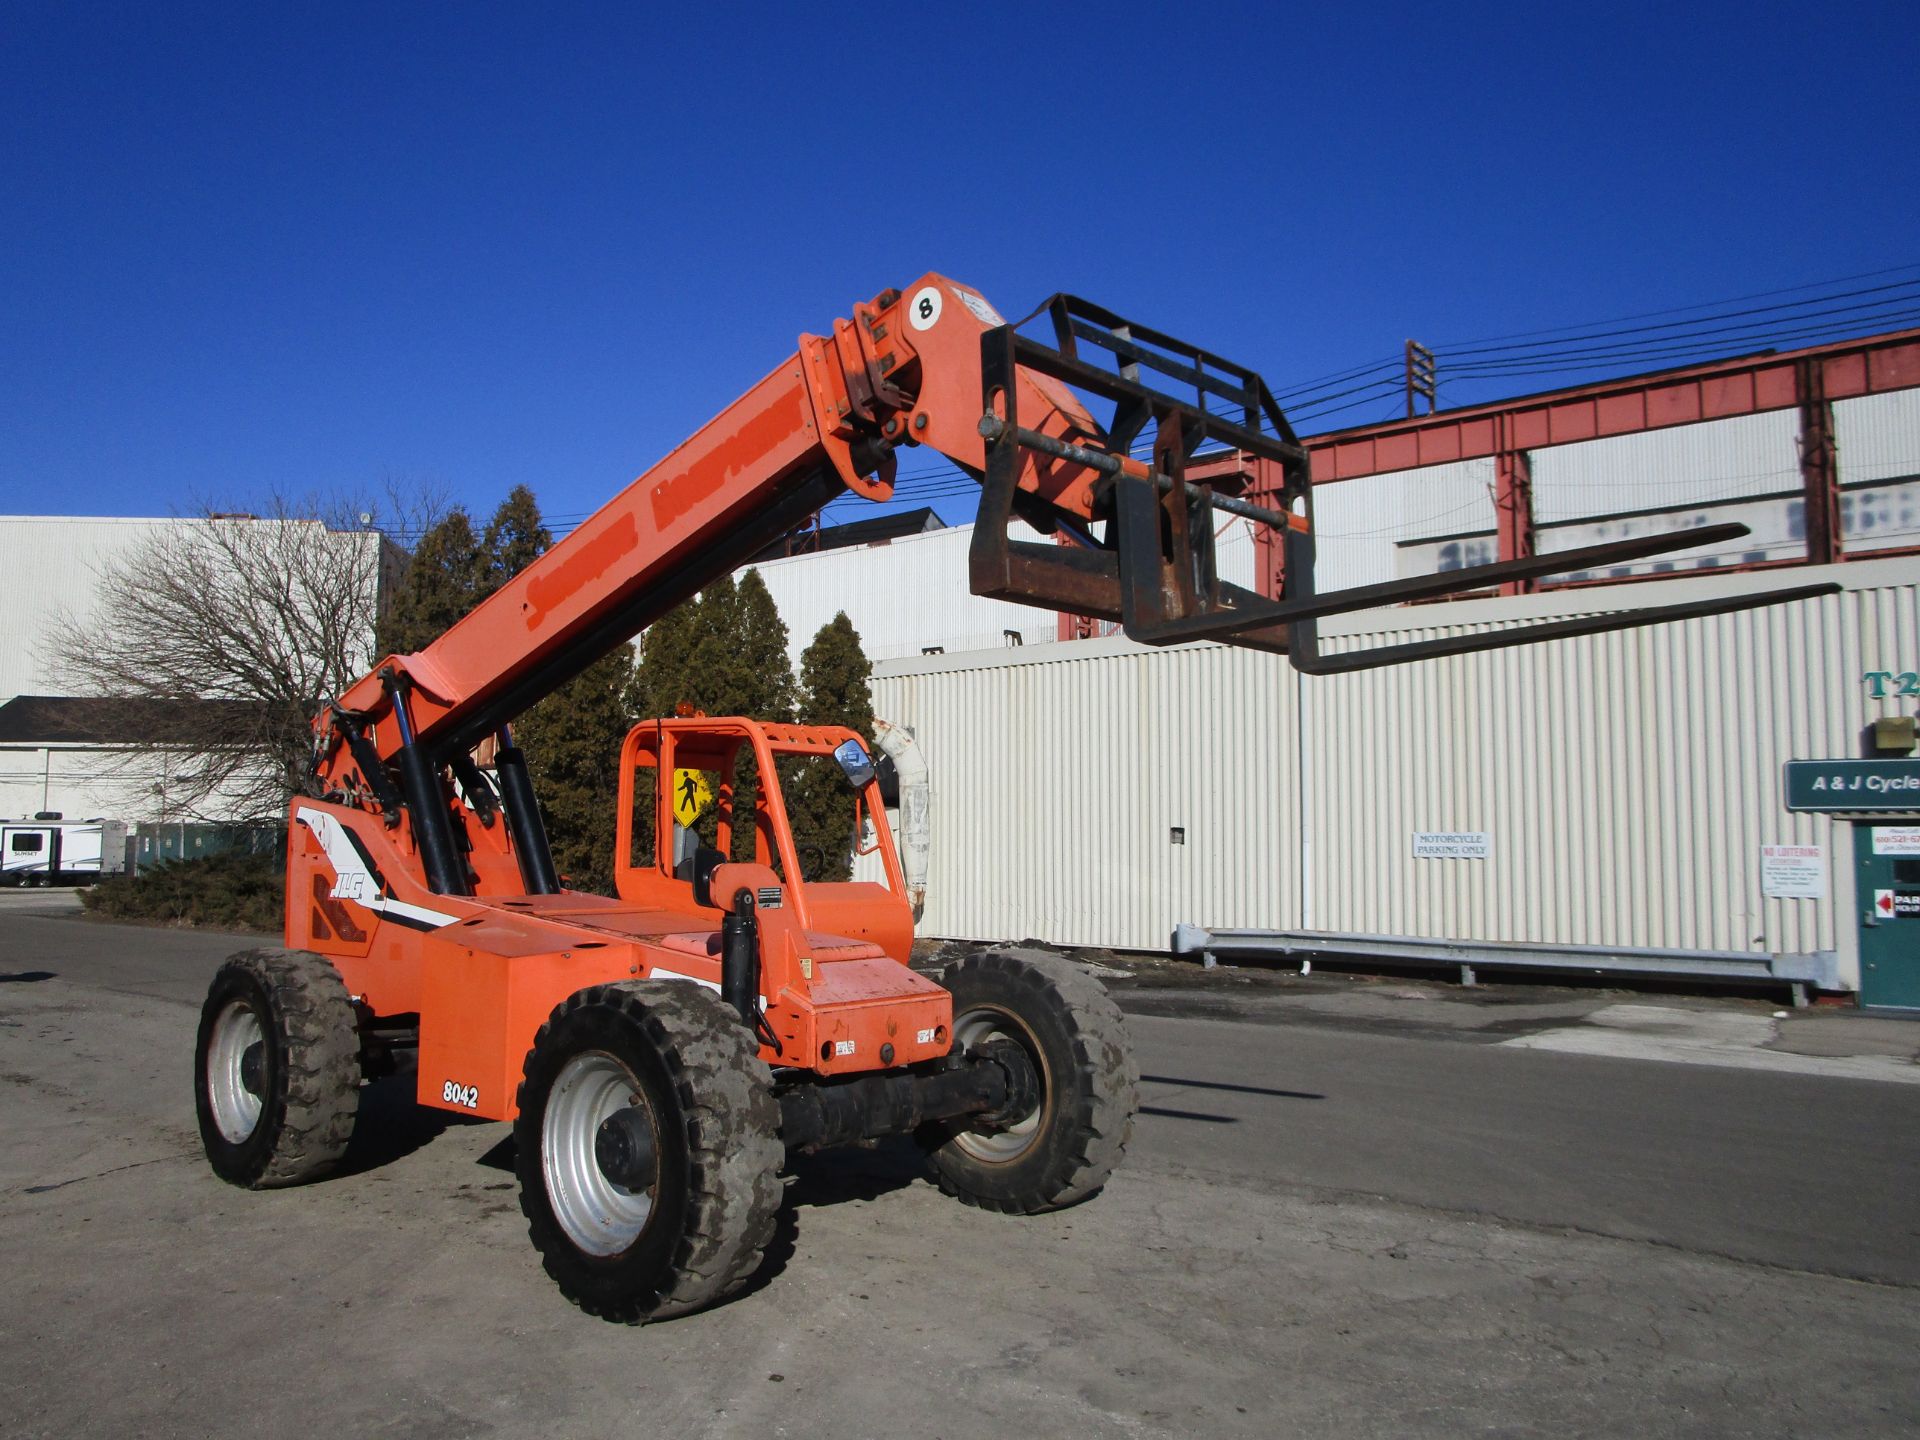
{"type": "Point", "coordinates": [1793, 872]}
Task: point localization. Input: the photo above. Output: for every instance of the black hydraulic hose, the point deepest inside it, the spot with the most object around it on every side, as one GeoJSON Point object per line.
{"type": "Point", "coordinates": [479, 793]}
{"type": "Point", "coordinates": [427, 803]}
{"type": "Point", "coordinates": [740, 958]}
{"type": "Point", "coordinates": [530, 845]}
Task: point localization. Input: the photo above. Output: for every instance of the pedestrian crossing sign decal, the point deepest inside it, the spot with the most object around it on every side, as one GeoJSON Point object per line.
{"type": "Point", "coordinates": [692, 795]}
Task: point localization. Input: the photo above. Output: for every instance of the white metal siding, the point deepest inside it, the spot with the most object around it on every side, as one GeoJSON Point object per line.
{"type": "Point", "coordinates": [1626, 780]}
{"type": "Point", "coordinates": [50, 562]}
{"type": "Point", "coordinates": [92, 781]}
{"type": "Point", "coordinates": [1058, 777]}
{"type": "Point", "coordinates": [1687, 464]}
{"type": "Point", "coordinates": [1358, 524]}
{"type": "Point", "coordinates": [903, 596]}
{"type": "Point", "coordinates": [912, 593]}
{"type": "Point", "coordinates": [1878, 436]}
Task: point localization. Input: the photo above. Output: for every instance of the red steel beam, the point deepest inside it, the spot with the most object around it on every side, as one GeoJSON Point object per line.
{"type": "Point", "coordinates": [1715, 391]}
{"type": "Point", "coordinates": [1809, 379]}
{"type": "Point", "coordinates": [1819, 466]}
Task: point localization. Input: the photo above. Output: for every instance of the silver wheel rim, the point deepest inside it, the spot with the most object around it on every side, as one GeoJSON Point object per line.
{"type": "Point", "coordinates": [600, 1217]}
{"type": "Point", "coordinates": [236, 1109]}
{"type": "Point", "coordinates": [976, 1027]}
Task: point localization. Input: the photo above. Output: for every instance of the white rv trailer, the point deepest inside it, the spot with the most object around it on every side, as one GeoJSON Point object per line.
{"type": "Point", "coordinates": [47, 850]}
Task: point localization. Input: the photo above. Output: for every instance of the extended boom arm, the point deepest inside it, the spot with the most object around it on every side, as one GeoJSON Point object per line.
{"type": "Point", "coordinates": [933, 365]}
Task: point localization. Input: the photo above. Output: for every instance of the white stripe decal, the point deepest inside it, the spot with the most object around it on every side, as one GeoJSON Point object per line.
{"type": "Point", "coordinates": [660, 972]}
{"type": "Point", "coordinates": [353, 881]}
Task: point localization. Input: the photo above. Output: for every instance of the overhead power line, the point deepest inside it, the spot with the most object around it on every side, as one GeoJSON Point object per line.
{"type": "Point", "coordinates": [1702, 305]}
{"type": "Point", "coordinates": [1885, 303]}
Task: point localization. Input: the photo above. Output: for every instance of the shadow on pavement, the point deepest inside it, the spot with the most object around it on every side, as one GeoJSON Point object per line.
{"type": "Point", "coordinates": [1167, 1114]}
{"type": "Point", "coordinates": [833, 1178]}
{"type": "Point", "coordinates": [854, 1173]}
{"type": "Point", "coordinates": [392, 1125]}
{"type": "Point", "coordinates": [26, 977]}
{"type": "Point", "coordinates": [1223, 1085]}
{"type": "Point", "coordinates": [500, 1157]}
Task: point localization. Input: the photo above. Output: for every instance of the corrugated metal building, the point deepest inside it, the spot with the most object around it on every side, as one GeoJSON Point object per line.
{"type": "Point", "coordinates": [1101, 793]}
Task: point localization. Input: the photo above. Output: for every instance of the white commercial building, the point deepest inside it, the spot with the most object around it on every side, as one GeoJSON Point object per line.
{"type": "Point", "coordinates": [909, 595]}
{"type": "Point", "coordinates": [1611, 803]}
{"type": "Point", "coordinates": [61, 752]}
{"type": "Point", "coordinates": [1612, 791]}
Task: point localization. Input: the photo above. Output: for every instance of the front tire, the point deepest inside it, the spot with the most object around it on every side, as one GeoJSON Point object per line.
{"type": "Point", "coordinates": [1062, 1150]}
{"type": "Point", "coordinates": [647, 1149]}
{"type": "Point", "coordinates": [276, 1069]}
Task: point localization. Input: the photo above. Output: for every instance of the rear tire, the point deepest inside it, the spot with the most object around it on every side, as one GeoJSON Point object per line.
{"type": "Point", "coordinates": [276, 1069]}
{"type": "Point", "coordinates": [687, 1227]}
{"type": "Point", "coordinates": [1062, 1151]}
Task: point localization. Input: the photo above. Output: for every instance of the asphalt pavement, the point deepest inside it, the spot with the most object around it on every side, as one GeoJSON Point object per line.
{"type": "Point", "coordinates": [1331, 1221]}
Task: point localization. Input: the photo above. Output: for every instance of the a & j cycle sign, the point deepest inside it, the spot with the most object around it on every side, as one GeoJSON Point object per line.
{"type": "Point", "coordinates": [1854, 786]}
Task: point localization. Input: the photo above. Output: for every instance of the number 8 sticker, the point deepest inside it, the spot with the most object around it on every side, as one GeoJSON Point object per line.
{"type": "Point", "coordinates": [923, 310]}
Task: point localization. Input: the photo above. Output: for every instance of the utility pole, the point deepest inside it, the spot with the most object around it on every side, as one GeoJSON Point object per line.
{"type": "Point", "coordinates": [1420, 376]}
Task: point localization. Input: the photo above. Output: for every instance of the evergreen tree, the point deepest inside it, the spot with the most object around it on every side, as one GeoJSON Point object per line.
{"type": "Point", "coordinates": [444, 579]}
{"type": "Point", "coordinates": [742, 654]}
{"type": "Point", "coordinates": [657, 686]}
{"type": "Point", "coordinates": [724, 654]}
{"type": "Point", "coordinates": [572, 738]}
{"type": "Point", "coordinates": [514, 539]}
{"type": "Point", "coordinates": [736, 664]}
{"type": "Point", "coordinates": [835, 689]}
{"type": "Point", "coordinates": [836, 680]}
{"type": "Point", "coordinates": [660, 680]}
{"type": "Point", "coordinates": [754, 679]}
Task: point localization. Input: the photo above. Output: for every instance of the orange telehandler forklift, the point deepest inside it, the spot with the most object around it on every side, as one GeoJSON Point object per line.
{"type": "Point", "coordinates": [660, 1053]}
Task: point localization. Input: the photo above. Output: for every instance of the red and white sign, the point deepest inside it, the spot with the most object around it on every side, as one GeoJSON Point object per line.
{"type": "Point", "coordinates": [1896, 904]}
{"type": "Point", "coordinates": [1793, 872]}
{"type": "Point", "coordinates": [1896, 839]}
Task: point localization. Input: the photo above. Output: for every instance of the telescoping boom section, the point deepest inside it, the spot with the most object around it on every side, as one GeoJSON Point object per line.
{"type": "Point", "coordinates": [936, 366]}
{"type": "Point", "coordinates": [659, 1049]}
{"type": "Point", "coordinates": [414, 853]}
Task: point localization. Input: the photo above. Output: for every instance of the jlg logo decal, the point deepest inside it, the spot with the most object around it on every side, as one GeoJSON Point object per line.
{"type": "Point", "coordinates": [454, 1093]}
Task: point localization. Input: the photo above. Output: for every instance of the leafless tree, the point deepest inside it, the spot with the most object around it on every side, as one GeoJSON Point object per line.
{"type": "Point", "coordinates": [217, 641]}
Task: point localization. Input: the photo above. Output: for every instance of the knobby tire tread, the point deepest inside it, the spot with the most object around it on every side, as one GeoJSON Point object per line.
{"type": "Point", "coordinates": [321, 1064]}
{"type": "Point", "coordinates": [731, 1119]}
{"type": "Point", "coordinates": [1100, 1122]}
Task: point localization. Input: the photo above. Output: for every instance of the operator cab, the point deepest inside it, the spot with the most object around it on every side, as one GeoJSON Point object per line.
{"type": "Point", "coordinates": [734, 790]}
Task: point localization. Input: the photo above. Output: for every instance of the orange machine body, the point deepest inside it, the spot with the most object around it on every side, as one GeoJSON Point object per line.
{"type": "Point", "coordinates": [432, 886]}
{"type": "Point", "coordinates": [437, 896]}
{"type": "Point", "coordinates": [483, 971]}
{"type": "Point", "coordinates": [903, 372]}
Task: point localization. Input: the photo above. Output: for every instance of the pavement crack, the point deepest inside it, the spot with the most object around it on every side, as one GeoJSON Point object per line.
{"type": "Point", "coordinates": [101, 1174]}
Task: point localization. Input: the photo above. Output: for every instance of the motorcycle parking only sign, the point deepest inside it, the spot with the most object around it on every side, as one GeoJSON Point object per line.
{"type": "Point", "coordinates": [1452, 845]}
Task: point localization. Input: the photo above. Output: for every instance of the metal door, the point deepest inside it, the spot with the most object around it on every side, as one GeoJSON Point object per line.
{"type": "Point", "coordinates": [1886, 860]}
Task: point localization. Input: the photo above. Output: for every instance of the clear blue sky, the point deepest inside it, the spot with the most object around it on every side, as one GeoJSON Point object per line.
{"type": "Point", "coordinates": [245, 246]}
